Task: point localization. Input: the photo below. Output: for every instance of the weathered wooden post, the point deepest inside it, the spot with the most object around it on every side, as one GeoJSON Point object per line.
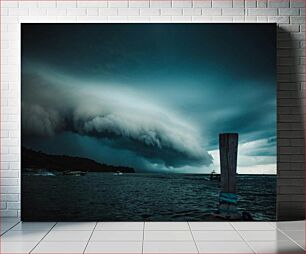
{"type": "Point", "coordinates": [228, 145]}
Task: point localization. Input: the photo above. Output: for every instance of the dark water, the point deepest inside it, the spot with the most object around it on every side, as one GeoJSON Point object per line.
{"type": "Point", "coordinates": [138, 197]}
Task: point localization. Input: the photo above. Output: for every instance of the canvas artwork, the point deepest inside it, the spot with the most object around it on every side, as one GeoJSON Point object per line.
{"type": "Point", "coordinates": [148, 122]}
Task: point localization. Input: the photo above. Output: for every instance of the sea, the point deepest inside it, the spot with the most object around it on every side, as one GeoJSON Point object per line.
{"type": "Point", "coordinates": [48, 196]}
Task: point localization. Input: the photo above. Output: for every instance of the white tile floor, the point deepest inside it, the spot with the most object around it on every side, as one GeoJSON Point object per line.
{"type": "Point", "coordinates": [152, 237]}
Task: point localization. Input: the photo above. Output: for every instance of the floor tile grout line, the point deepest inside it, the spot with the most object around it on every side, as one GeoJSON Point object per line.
{"type": "Point", "coordinates": [244, 240]}
{"type": "Point", "coordinates": [90, 237]}
{"type": "Point", "coordinates": [273, 225]}
{"type": "Point", "coordinates": [232, 225]}
{"type": "Point", "coordinates": [14, 225]}
{"type": "Point", "coordinates": [143, 232]}
{"type": "Point", "coordinates": [42, 238]}
{"type": "Point", "coordinates": [193, 237]}
{"type": "Point", "coordinates": [291, 239]}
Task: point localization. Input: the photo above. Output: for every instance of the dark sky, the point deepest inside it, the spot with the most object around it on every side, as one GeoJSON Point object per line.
{"type": "Point", "coordinates": [151, 96]}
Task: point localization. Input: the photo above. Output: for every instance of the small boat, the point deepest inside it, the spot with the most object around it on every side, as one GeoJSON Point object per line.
{"type": "Point", "coordinates": [214, 176]}
{"type": "Point", "coordinates": [118, 173]}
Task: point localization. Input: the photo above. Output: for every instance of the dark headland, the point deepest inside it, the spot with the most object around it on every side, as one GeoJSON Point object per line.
{"type": "Point", "coordinates": [39, 160]}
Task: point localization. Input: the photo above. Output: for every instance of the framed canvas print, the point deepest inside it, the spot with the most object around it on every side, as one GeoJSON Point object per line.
{"type": "Point", "coordinates": [148, 122]}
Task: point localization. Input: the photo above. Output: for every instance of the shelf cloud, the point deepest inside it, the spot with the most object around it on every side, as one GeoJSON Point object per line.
{"type": "Point", "coordinates": [125, 121]}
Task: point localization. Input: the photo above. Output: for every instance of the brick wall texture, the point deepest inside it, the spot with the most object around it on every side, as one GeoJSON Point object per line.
{"type": "Point", "coordinates": [288, 14]}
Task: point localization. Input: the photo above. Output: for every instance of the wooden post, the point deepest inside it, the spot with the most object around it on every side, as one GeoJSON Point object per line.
{"type": "Point", "coordinates": [228, 145]}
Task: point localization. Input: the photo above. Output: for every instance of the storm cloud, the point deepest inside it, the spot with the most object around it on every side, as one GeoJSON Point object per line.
{"type": "Point", "coordinates": [155, 102]}
{"type": "Point", "coordinates": [124, 120]}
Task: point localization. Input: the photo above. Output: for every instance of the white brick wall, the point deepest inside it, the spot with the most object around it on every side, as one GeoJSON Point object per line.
{"type": "Point", "coordinates": [289, 14]}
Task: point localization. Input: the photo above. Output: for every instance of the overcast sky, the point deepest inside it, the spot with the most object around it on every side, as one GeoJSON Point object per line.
{"type": "Point", "coordinates": [151, 96]}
